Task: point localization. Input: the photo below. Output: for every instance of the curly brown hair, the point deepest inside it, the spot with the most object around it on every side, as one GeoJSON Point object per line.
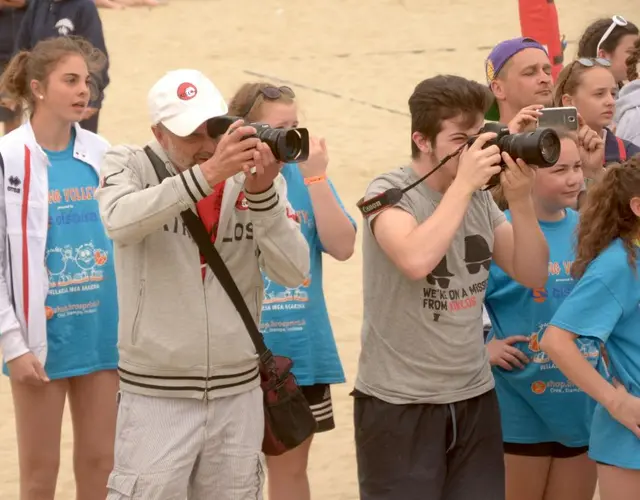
{"type": "Point", "coordinates": [607, 215]}
{"type": "Point", "coordinates": [633, 61]}
{"type": "Point", "coordinates": [38, 64]}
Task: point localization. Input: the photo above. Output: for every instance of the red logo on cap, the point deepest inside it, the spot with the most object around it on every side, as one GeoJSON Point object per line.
{"type": "Point", "coordinates": [187, 91]}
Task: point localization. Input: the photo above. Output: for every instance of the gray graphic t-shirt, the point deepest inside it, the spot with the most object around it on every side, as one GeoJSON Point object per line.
{"type": "Point", "coordinates": [422, 340]}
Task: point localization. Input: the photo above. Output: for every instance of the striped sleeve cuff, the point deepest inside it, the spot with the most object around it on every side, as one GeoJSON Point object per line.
{"type": "Point", "coordinates": [263, 203]}
{"type": "Point", "coordinates": [193, 185]}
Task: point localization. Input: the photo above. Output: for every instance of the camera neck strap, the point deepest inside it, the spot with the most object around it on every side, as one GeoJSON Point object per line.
{"type": "Point", "coordinates": [391, 197]}
{"type": "Point", "coordinates": [201, 237]}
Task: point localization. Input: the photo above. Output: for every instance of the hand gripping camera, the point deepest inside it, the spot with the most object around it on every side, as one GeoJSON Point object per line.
{"type": "Point", "coordinates": [289, 145]}
{"type": "Point", "coordinates": [540, 148]}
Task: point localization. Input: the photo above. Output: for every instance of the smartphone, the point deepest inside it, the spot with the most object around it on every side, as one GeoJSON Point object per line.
{"type": "Point", "coordinates": [559, 117]}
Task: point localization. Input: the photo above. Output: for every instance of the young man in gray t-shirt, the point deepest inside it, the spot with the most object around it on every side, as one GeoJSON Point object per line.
{"type": "Point", "coordinates": [426, 416]}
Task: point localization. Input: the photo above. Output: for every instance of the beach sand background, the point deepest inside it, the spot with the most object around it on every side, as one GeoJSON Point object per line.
{"type": "Point", "coordinates": [353, 65]}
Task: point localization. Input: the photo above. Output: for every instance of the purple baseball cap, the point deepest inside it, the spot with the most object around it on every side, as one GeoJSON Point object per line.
{"type": "Point", "coordinates": [498, 57]}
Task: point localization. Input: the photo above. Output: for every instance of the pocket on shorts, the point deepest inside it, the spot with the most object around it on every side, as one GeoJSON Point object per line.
{"type": "Point", "coordinates": [244, 478]}
{"type": "Point", "coordinates": [260, 466]}
{"type": "Point", "coordinates": [121, 486]}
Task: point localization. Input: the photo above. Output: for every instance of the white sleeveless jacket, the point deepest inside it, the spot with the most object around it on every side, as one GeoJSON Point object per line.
{"type": "Point", "coordinates": [24, 216]}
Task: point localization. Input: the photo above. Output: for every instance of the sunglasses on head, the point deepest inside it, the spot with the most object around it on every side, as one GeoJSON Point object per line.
{"type": "Point", "coordinates": [589, 62]}
{"type": "Point", "coordinates": [272, 93]}
{"type": "Point", "coordinates": [615, 21]}
{"type": "Point", "coordinates": [277, 92]}
{"type": "Point", "coordinates": [586, 62]}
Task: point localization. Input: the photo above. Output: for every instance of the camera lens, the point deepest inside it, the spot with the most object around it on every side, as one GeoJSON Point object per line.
{"type": "Point", "coordinates": [540, 148]}
{"type": "Point", "coordinates": [287, 145]}
{"type": "Point", "coordinates": [292, 144]}
{"type": "Point", "coordinates": [550, 148]}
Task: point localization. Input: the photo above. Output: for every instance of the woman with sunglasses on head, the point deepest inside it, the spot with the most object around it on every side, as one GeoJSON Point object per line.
{"type": "Point", "coordinates": [545, 423]}
{"type": "Point", "coordinates": [612, 39]}
{"type": "Point", "coordinates": [627, 117]}
{"type": "Point", "coordinates": [295, 322]}
{"type": "Point", "coordinates": [589, 85]}
{"type": "Point", "coordinates": [58, 303]}
{"type": "Point", "coordinates": [603, 306]}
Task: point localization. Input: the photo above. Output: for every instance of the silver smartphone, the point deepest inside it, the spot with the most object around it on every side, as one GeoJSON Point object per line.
{"type": "Point", "coordinates": [559, 117]}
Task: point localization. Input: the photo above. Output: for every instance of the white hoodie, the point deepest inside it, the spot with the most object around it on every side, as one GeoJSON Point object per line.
{"type": "Point", "coordinates": [627, 117]}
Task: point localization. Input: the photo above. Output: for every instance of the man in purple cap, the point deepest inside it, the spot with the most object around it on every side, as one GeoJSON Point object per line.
{"type": "Point", "coordinates": [519, 75]}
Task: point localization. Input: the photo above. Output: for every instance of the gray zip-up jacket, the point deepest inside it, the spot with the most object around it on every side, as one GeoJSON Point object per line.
{"type": "Point", "coordinates": [180, 336]}
{"type": "Point", "coordinates": [627, 115]}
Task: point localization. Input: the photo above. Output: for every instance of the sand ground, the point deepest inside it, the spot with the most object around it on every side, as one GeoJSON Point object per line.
{"type": "Point", "coordinates": [353, 64]}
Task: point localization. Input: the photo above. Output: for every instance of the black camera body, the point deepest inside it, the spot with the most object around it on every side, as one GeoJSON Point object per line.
{"type": "Point", "coordinates": [289, 145]}
{"type": "Point", "coordinates": [540, 148]}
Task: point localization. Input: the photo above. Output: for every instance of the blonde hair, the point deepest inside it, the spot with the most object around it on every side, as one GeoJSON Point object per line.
{"type": "Point", "coordinates": [248, 100]}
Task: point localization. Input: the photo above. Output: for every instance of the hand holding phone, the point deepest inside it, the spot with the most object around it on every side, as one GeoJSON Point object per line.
{"type": "Point", "coordinates": [566, 118]}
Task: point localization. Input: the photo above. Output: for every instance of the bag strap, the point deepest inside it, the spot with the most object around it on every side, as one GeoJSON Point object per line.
{"type": "Point", "coordinates": [622, 150]}
{"type": "Point", "coordinates": [210, 253]}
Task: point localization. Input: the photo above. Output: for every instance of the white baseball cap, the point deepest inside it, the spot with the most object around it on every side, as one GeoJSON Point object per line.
{"type": "Point", "coordinates": [184, 99]}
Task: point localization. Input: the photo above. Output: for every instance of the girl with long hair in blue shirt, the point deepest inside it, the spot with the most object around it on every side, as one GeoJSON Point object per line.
{"type": "Point", "coordinates": [604, 307]}
{"type": "Point", "coordinates": [58, 304]}
{"type": "Point", "coordinates": [545, 420]}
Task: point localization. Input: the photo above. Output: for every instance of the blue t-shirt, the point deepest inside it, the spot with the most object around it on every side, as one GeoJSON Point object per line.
{"type": "Point", "coordinates": [295, 321]}
{"type": "Point", "coordinates": [605, 305]}
{"type": "Point", "coordinates": [538, 404]}
{"type": "Point", "coordinates": [82, 308]}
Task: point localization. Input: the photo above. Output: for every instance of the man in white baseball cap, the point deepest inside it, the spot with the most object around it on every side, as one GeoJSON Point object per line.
{"type": "Point", "coordinates": [183, 100]}
{"type": "Point", "coordinates": [190, 416]}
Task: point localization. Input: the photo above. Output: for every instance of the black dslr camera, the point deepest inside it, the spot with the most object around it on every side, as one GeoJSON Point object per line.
{"type": "Point", "coordinates": [540, 148]}
{"type": "Point", "coordinates": [289, 145]}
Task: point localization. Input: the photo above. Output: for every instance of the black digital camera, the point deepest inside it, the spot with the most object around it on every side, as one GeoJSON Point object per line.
{"type": "Point", "coordinates": [289, 145]}
{"type": "Point", "coordinates": [540, 148]}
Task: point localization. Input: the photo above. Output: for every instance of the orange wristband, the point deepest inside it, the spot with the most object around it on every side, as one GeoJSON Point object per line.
{"type": "Point", "coordinates": [313, 180]}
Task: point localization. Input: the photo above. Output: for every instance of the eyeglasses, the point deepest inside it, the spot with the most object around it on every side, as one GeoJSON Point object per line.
{"type": "Point", "coordinates": [271, 93]}
{"type": "Point", "coordinates": [587, 62]}
{"type": "Point", "coordinates": [615, 21]}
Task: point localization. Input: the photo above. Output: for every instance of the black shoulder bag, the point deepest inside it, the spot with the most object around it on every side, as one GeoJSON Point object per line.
{"type": "Point", "coordinates": [287, 416]}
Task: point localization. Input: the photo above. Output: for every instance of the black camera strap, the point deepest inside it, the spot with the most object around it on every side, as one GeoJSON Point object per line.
{"type": "Point", "coordinates": [208, 251]}
{"type": "Point", "coordinates": [390, 197]}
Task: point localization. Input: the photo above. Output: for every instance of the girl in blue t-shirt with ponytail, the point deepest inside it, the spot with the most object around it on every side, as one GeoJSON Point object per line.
{"type": "Point", "coordinates": [604, 307]}
{"type": "Point", "coordinates": [58, 300]}
{"type": "Point", "coordinates": [545, 419]}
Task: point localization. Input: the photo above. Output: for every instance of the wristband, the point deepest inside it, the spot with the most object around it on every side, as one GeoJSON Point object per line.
{"type": "Point", "coordinates": [314, 180]}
